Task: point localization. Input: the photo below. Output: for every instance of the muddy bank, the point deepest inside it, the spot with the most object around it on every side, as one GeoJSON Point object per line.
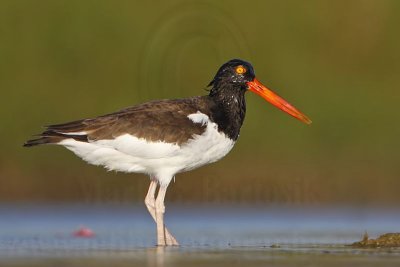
{"type": "Point", "coordinates": [389, 240]}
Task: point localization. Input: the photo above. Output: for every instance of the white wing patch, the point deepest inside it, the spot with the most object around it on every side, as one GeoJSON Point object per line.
{"type": "Point", "coordinates": [199, 117]}
{"type": "Point", "coordinates": [139, 147]}
{"type": "Point", "coordinates": [75, 133]}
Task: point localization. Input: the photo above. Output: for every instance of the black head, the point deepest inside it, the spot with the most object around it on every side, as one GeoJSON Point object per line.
{"type": "Point", "coordinates": [237, 76]}
{"type": "Point", "coordinates": [234, 73]}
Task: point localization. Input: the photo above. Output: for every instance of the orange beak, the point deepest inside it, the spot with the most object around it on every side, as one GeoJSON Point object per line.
{"type": "Point", "coordinates": [258, 88]}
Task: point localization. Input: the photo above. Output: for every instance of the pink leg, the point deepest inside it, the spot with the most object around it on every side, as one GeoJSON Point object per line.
{"type": "Point", "coordinates": [164, 237]}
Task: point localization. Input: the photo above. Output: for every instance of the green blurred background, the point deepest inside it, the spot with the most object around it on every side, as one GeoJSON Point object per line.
{"type": "Point", "coordinates": [337, 61]}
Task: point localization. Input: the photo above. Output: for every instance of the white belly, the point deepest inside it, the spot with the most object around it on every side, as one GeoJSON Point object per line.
{"type": "Point", "coordinates": [162, 160]}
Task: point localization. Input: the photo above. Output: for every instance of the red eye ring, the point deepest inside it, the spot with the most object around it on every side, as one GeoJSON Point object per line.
{"type": "Point", "coordinates": [240, 69]}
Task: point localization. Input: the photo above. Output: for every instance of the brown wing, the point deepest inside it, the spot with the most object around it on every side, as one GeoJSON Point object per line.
{"type": "Point", "coordinates": [163, 120]}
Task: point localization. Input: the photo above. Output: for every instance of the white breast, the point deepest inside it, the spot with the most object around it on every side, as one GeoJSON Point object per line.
{"type": "Point", "coordinates": [162, 160]}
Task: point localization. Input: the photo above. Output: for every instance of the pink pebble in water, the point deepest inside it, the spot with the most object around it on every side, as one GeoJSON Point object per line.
{"type": "Point", "coordinates": [84, 232]}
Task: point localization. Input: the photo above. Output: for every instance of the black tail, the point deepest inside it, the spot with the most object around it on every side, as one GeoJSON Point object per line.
{"type": "Point", "coordinates": [53, 137]}
{"type": "Point", "coordinates": [58, 132]}
{"type": "Point", "coordinates": [41, 141]}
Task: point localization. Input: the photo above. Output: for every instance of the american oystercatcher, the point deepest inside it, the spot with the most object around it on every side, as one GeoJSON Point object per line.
{"type": "Point", "coordinates": [165, 137]}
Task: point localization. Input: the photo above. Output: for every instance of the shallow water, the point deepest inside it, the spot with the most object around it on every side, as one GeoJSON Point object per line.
{"type": "Point", "coordinates": [41, 235]}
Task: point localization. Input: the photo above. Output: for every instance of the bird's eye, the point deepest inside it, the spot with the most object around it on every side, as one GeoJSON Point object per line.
{"type": "Point", "coordinates": [240, 69]}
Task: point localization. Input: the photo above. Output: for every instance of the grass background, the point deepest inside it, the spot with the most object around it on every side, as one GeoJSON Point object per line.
{"type": "Point", "coordinates": [337, 61]}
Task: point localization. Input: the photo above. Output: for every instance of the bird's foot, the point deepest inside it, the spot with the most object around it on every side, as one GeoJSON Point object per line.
{"type": "Point", "coordinates": [170, 239]}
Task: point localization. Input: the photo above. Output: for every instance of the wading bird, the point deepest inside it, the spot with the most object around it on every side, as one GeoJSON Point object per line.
{"type": "Point", "coordinates": [165, 137]}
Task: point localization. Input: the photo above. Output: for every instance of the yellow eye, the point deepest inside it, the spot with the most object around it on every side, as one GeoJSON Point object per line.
{"type": "Point", "coordinates": [240, 69]}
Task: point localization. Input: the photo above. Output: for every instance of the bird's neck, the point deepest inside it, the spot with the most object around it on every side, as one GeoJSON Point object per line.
{"type": "Point", "coordinates": [228, 109]}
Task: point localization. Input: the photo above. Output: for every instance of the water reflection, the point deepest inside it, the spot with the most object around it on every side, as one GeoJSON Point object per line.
{"type": "Point", "coordinates": [123, 227]}
{"type": "Point", "coordinates": [209, 235]}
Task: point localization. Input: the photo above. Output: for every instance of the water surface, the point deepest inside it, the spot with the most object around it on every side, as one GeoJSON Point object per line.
{"type": "Point", "coordinates": [42, 235]}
